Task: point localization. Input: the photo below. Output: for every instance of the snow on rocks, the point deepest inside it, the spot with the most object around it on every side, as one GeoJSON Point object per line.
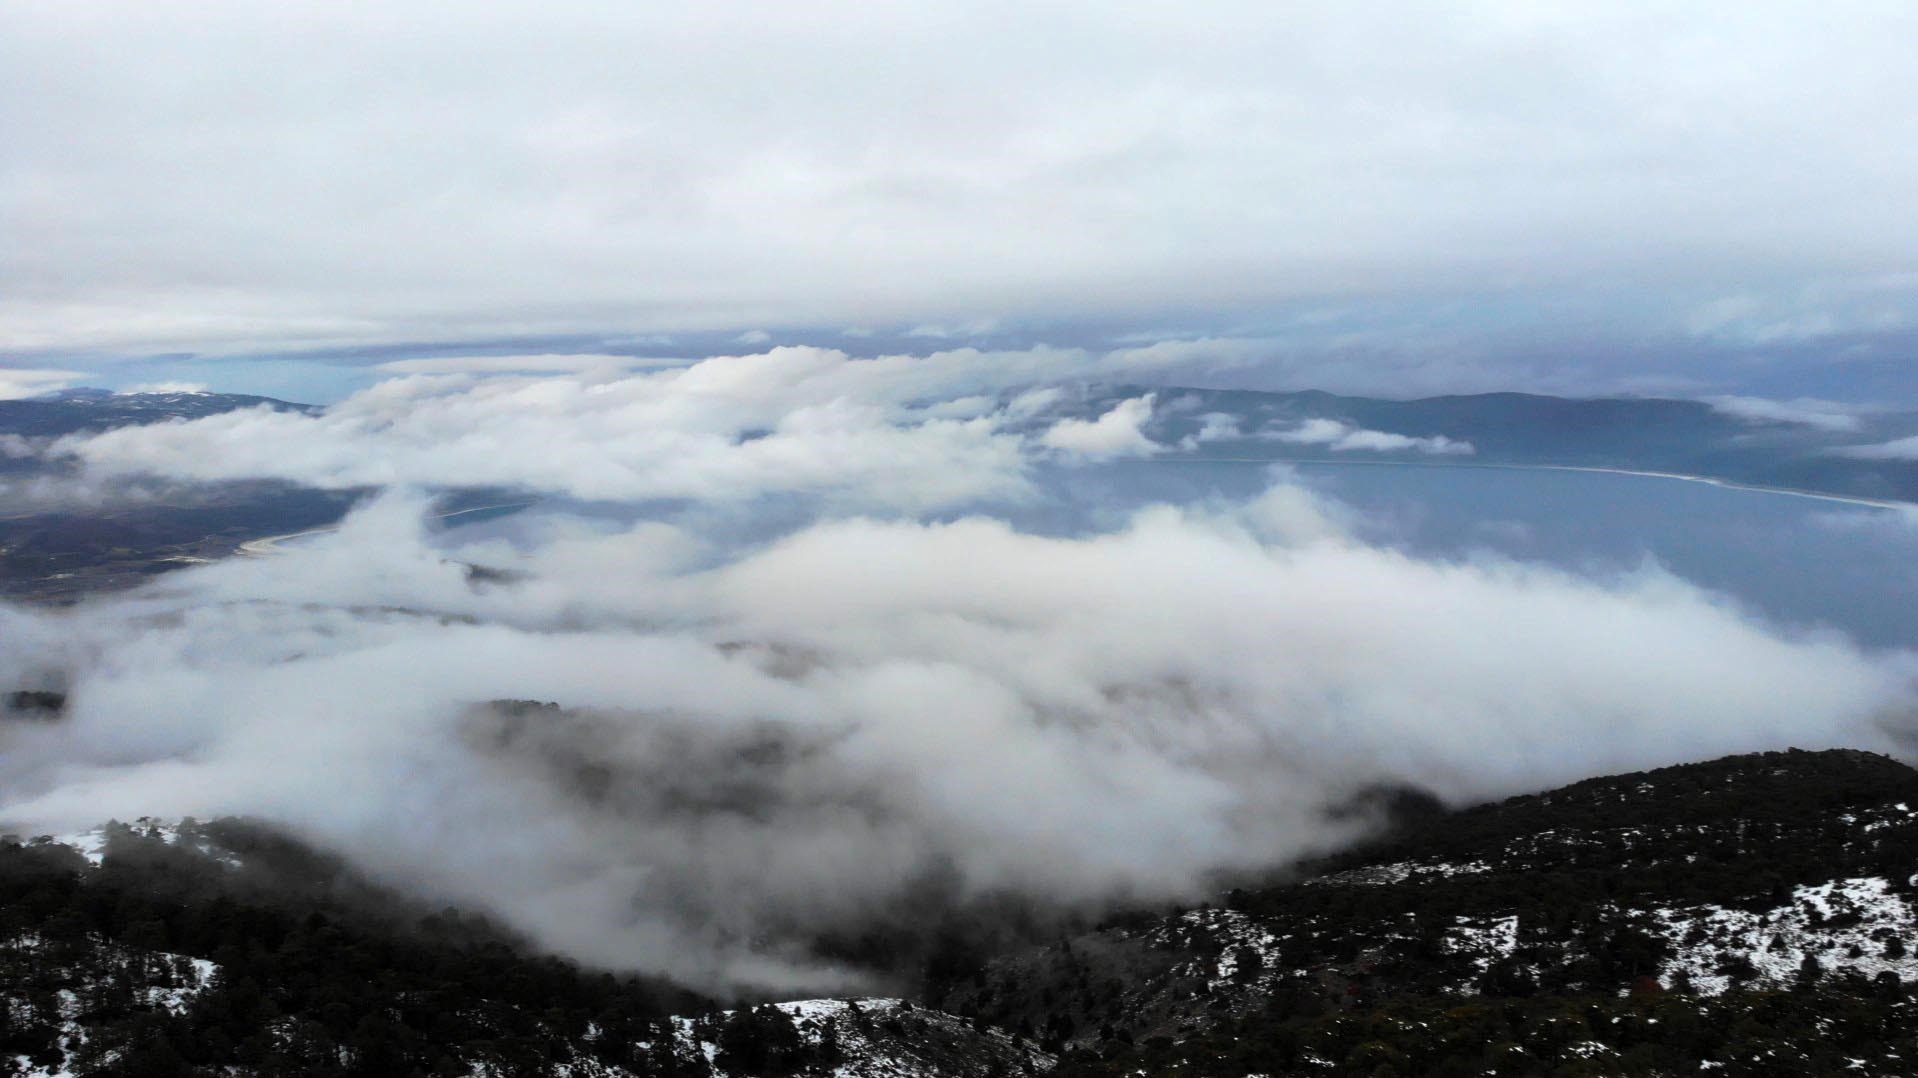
{"type": "Point", "coordinates": [92, 842]}
{"type": "Point", "coordinates": [888, 1038]}
{"type": "Point", "coordinates": [1856, 924]}
{"type": "Point", "coordinates": [1235, 947]}
{"type": "Point", "coordinates": [171, 983]}
{"type": "Point", "coordinates": [1398, 872]}
{"type": "Point", "coordinates": [1483, 939]}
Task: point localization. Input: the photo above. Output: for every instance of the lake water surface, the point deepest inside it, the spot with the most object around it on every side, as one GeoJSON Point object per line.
{"type": "Point", "coordinates": [1797, 560]}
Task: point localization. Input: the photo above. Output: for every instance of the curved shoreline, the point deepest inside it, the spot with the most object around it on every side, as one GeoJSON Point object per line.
{"type": "Point", "coordinates": [1708, 480]}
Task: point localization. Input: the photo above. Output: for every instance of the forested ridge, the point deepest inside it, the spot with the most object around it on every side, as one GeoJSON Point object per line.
{"type": "Point", "coordinates": [1753, 915]}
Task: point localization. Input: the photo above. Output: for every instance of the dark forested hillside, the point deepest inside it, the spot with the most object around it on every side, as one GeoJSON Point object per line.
{"type": "Point", "coordinates": [1764, 893]}
{"type": "Point", "coordinates": [1753, 915]}
{"type": "Point", "coordinates": [76, 410]}
{"type": "Point", "coordinates": [229, 946]}
{"type": "Point", "coordinates": [221, 948]}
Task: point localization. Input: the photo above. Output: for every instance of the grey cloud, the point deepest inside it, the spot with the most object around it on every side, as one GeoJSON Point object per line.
{"type": "Point", "coordinates": [1824, 415]}
{"type": "Point", "coordinates": [238, 178]}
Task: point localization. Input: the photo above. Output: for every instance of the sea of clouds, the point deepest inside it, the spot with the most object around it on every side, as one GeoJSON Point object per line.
{"type": "Point", "coordinates": [766, 734]}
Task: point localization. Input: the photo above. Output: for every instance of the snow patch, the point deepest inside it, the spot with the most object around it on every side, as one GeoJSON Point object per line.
{"type": "Point", "coordinates": [1846, 924]}
{"type": "Point", "coordinates": [1484, 939]}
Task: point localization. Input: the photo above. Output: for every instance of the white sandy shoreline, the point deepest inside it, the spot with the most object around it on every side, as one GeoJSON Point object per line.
{"type": "Point", "coordinates": [1714, 481]}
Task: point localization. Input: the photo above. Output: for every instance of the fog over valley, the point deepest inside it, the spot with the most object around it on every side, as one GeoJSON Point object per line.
{"type": "Point", "coordinates": [839, 669]}
{"type": "Point", "coordinates": [812, 539]}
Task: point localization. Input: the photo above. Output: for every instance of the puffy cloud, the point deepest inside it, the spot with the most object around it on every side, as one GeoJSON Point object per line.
{"type": "Point", "coordinates": [1824, 415]}
{"type": "Point", "coordinates": [1213, 427]}
{"type": "Point", "coordinates": [916, 431]}
{"type": "Point", "coordinates": [1343, 437]}
{"type": "Point", "coordinates": [1117, 433]}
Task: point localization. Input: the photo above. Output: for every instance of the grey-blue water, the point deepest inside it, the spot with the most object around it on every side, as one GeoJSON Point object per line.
{"type": "Point", "coordinates": [1795, 560]}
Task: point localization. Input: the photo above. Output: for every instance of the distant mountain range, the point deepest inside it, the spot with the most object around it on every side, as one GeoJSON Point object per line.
{"type": "Point", "coordinates": [1643, 434]}
{"type": "Point", "coordinates": [1754, 915]}
{"type": "Point", "coordinates": [73, 411]}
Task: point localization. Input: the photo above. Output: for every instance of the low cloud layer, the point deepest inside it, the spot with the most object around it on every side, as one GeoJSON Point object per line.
{"type": "Point", "coordinates": [1344, 437]}
{"type": "Point", "coordinates": [818, 679]}
{"type": "Point", "coordinates": [1823, 415]}
{"type": "Point", "coordinates": [918, 432]}
{"type": "Point", "coordinates": [912, 431]}
{"type": "Point", "coordinates": [755, 745]}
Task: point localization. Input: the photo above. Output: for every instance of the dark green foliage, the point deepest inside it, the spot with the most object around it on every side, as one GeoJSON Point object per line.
{"type": "Point", "coordinates": [763, 1041]}
{"type": "Point", "coordinates": [319, 973]}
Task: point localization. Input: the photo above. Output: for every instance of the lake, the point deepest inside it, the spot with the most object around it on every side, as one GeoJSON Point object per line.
{"type": "Point", "coordinates": [1799, 561]}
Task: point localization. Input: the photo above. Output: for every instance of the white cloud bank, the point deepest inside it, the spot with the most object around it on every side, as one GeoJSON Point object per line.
{"type": "Point", "coordinates": [912, 431]}
{"type": "Point", "coordinates": [1341, 437]}
{"type": "Point", "coordinates": [1118, 433]}
{"type": "Point", "coordinates": [916, 432]}
{"type": "Point", "coordinates": [766, 742]}
{"type": "Point", "coordinates": [1822, 415]}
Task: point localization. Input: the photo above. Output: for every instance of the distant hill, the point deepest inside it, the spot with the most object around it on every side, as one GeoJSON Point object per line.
{"type": "Point", "coordinates": [1646, 434]}
{"type": "Point", "coordinates": [62, 552]}
{"type": "Point", "coordinates": [73, 411]}
{"type": "Point", "coordinates": [1754, 915]}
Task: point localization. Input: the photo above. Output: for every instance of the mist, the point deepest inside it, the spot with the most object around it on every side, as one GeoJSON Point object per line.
{"type": "Point", "coordinates": [787, 709]}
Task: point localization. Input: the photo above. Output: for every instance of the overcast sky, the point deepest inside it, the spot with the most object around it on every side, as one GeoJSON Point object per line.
{"type": "Point", "coordinates": [1687, 197]}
